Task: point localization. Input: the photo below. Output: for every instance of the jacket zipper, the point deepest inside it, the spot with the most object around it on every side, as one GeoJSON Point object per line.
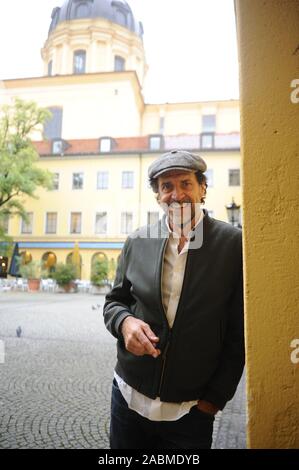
{"type": "Point", "coordinates": [165, 317]}
{"type": "Point", "coordinates": [164, 363]}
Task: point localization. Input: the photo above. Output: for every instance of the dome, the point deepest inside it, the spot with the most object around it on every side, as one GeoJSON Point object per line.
{"type": "Point", "coordinates": [117, 11]}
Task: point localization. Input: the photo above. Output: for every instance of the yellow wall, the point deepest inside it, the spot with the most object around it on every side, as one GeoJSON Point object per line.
{"type": "Point", "coordinates": [268, 46]}
{"type": "Point", "coordinates": [91, 107]}
{"type": "Point", "coordinates": [186, 118]}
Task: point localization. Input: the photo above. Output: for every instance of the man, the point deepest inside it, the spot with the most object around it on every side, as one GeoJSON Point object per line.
{"type": "Point", "coordinates": [176, 309]}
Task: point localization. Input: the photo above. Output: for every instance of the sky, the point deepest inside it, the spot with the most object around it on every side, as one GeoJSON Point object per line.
{"type": "Point", "coordinates": [191, 47]}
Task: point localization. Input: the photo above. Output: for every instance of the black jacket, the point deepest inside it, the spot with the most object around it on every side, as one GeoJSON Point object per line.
{"type": "Point", "coordinates": [203, 354]}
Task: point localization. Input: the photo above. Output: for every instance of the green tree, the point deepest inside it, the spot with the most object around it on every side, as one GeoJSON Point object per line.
{"type": "Point", "coordinates": [99, 272]}
{"type": "Point", "coordinates": [19, 174]}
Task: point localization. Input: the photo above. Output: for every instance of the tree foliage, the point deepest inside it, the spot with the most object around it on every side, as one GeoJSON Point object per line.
{"type": "Point", "coordinates": [19, 174]}
{"type": "Point", "coordinates": [99, 273]}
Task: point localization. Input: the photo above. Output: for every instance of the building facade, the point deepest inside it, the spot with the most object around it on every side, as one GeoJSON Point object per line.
{"type": "Point", "coordinates": [103, 136]}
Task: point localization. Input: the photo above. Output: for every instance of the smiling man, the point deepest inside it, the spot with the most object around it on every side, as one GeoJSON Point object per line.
{"type": "Point", "coordinates": [176, 309]}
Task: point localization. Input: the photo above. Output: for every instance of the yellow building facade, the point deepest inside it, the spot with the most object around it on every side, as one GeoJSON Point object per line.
{"type": "Point", "coordinates": [103, 137]}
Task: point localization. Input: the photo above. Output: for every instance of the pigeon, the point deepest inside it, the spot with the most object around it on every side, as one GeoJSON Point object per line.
{"type": "Point", "coordinates": [19, 331]}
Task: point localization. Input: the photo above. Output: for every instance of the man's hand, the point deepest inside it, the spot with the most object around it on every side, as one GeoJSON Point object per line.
{"type": "Point", "coordinates": [207, 407]}
{"type": "Point", "coordinates": [139, 338]}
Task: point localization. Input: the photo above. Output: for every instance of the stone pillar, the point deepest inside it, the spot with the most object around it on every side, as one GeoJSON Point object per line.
{"type": "Point", "coordinates": [268, 37]}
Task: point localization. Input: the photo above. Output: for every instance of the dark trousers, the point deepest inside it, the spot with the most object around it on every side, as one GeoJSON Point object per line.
{"type": "Point", "coordinates": [129, 430]}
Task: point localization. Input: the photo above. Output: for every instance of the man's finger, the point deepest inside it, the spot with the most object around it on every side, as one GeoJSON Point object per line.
{"type": "Point", "coordinates": [150, 334]}
{"type": "Point", "coordinates": [148, 346]}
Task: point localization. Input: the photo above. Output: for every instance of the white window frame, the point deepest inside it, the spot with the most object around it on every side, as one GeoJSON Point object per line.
{"type": "Point", "coordinates": [23, 222]}
{"type": "Point", "coordinates": [155, 142]}
{"type": "Point", "coordinates": [56, 173]}
{"type": "Point", "coordinates": [46, 220]}
{"type": "Point", "coordinates": [70, 223]}
{"type": "Point", "coordinates": [103, 173]}
{"type": "Point", "coordinates": [77, 173]}
{"type": "Point", "coordinates": [57, 147]}
{"type": "Point", "coordinates": [95, 228]}
{"type": "Point", "coordinates": [123, 178]}
{"type": "Point", "coordinates": [105, 144]}
{"type": "Point", "coordinates": [76, 52]}
{"type": "Point", "coordinates": [234, 185]}
{"type": "Point", "coordinates": [121, 222]}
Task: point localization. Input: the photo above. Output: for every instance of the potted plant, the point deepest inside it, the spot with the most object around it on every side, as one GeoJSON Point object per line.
{"type": "Point", "coordinates": [64, 275]}
{"type": "Point", "coordinates": [32, 272]}
{"type": "Point", "coordinates": [99, 277]}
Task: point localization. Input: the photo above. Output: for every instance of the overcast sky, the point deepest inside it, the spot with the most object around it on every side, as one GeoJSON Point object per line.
{"type": "Point", "coordinates": [190, 45]}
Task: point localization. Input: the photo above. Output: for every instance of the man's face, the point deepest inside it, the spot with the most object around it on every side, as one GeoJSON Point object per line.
{"type": "Point", "coordinates": [180, 195]}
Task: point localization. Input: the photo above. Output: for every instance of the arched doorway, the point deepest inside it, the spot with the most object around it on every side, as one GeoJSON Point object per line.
{"type": "Point", "coordinates": [49, 261]}
{"type": "Point", "coordinates": [98, 261]}
{"type": "Point", "coordinates": [26, 257]}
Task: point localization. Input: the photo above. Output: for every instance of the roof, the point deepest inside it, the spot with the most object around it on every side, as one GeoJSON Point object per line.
{"type": "Point", "coordinates": [117, 11]}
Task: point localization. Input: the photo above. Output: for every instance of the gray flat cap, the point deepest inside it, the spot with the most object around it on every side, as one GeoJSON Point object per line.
{"type": "Point", "coordinates": [176, 160]}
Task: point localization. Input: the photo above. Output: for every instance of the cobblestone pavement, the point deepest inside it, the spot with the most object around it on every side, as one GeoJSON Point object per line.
{"type": "Point", "coordinates": [230, 424]}
{"type": "Point", "coordinates": [56, 378]}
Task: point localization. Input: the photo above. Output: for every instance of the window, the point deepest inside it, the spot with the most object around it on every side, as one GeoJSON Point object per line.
{"type": "Point", "coordinates": [208, 123]}
{"type": "Point", "coordinates": [121, 12]}
{"type": "Point", "coordinates": [77, 180]}
{"type": "Point", "coordinates": [127, 180]}
{"type": "Point", "coordinates": [57, 147]}
{"type": "Point", "coordinates": [126, 222]}
{"type": "Point", "coordinates": [152, 218]}
{"type": "Point", "coordinates": [162, 124]}
{"type": "Point", "coordinates": [102, 180]}
{"type": "Point", "coordinates": [76, 222]}
{"type": "Point", "coordinates": [82, 10]}
{"type": "Point", "coordinates": [51, 222]}
{"type": "Point", "coordinates": [121, 18]}
{"type": "Point", "coordinates": [101, 223]}
{"type": "Point", "coordinates": [234, 177]}
{"type": "Point", "coordinates": [50, 68]}
{"type": "Point", "coordinates": [207, 140]}
{"type": "Point", "coordinates": [79, 62]}
{"type": "Point", "coordinates": [26, 227]}
{"type": "Point", "coordinates": [210, 177]}
{"type": "Point", "coordinates": [119, 63]}
{"type": "Point", "coordinates": [105, 144]}
{"type": "Point", "coordinates": [55, 181]}
{"type": "Point", "coordinates": [53, 127]}
{"type": "Point", "coordinates": [155, 142]}
{"type": "Point", "coordinates": [4, 222]}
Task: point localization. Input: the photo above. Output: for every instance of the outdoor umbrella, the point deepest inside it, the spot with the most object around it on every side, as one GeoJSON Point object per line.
{"type": "Point", "coordinates": [14, 267]}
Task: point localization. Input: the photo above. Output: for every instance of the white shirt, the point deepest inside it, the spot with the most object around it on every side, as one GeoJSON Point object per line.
{"type": "Point", "coordinates": [172, 280]}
